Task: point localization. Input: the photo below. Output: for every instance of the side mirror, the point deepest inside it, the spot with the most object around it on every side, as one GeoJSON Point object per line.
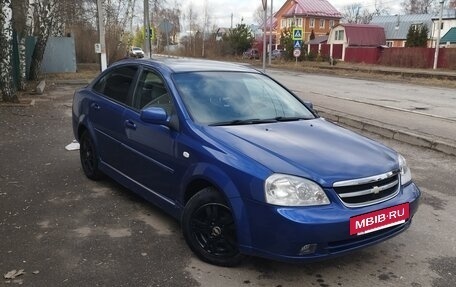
{"type": "Point", "coordinates": [310, 106]}
{"type": "Point", "coordinates": [155, 115]}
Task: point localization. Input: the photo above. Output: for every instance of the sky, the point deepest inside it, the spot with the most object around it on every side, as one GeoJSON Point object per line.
{"type": "Point", "coordinates": [222, 9]}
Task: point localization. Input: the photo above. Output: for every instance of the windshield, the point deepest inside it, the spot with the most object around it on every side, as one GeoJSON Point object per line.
{"type": "Point", "coordinates": [219, 98]}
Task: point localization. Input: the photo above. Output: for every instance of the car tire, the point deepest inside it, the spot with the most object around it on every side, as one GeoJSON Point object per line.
{"type": "Point", "coordinates": [89, 157]}
{"type": "Point", "coordinates": [209, 229]}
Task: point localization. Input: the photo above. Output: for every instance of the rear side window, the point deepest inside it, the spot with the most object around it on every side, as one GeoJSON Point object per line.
{"type": "Point", "coordinates": [117, 83]}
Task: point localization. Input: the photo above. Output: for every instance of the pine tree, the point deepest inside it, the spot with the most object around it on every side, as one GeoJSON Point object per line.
{"type": "Point", "coordinates": [417, 36]}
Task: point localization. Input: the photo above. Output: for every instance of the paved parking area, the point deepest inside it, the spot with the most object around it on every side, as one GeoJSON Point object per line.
{"type": "Point", "coordinates": [65, 230]}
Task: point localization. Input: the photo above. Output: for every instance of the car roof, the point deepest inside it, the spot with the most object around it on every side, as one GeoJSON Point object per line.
{"type": "Point", "coordinates": [182, 65]}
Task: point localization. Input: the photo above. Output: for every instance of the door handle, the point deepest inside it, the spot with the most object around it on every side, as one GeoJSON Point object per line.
{"type": "Point", "coordinates": [129, 124]}
{"type": "Point", "coordinates": [95, 106]}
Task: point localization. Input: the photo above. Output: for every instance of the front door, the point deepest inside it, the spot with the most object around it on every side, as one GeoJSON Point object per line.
{"type": "Point", "coordinates": [150, 158]}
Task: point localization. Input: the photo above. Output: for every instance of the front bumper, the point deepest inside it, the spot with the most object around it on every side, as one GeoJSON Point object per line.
{"type": "Point", "coordinates": [280, 233]}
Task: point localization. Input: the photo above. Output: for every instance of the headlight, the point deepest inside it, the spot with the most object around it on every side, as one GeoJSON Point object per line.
{"type": "Point", "coordinates": [406, 175]}
{"type": "Point", "coordinates": [287, 190]}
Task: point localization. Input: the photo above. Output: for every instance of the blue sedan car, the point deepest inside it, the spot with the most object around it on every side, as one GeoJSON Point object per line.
{"type": "Point", "coordinates": [246, 166]}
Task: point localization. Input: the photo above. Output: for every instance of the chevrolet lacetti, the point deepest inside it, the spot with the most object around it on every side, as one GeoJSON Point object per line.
{"type": "Point", "coordinates": [246, 166]}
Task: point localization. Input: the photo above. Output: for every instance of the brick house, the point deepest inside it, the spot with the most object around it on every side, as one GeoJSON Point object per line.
{"type": "Point", "coordinates": [318, 16]}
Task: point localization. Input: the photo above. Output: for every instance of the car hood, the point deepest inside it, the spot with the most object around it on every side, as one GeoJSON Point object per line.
{"type": "Point", "coordinates": [315, 149]}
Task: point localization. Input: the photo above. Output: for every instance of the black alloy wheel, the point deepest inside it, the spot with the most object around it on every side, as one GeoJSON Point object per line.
{"type": "Point", "coordinates": [210, 230]}
{"type": "Point", "coordinates": [89, 157]}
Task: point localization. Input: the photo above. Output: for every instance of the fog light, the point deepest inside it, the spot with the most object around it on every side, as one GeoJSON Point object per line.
{"type": "Point", "coordinates": [308, 249]}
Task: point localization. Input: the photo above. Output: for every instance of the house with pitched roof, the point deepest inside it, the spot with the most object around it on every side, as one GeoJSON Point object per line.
{"type": "Point", "coordinates": [449, 39]}
{"type": "Point", "coordinates": [318, 16]}
{"type": "Point", "coordinates": [397, 26]}
{"type": "Point", "coordinates": [356, 36]}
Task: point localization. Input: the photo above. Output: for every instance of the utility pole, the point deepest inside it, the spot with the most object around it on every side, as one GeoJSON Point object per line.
{"type": "Point", "coordinates": [265, 8]}
{"type": "Point", "coordinates": [437, 42]}
{"type": "Point", "coordinates": [270, 34]}
{"type": "Point", "coordinates": [101, 27]}
{"type": "Point", "coordinates": [231, 27]}
{"type": "Point", "coordinates": [147, 27]}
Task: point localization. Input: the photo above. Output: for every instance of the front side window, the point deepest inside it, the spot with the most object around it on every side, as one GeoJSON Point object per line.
{"type": "Point", "coordinates": [216, 98]}
{"type": "Point", "coordinates": [151, 92]}
{"type": "Point", "coordinates": [117, 83]}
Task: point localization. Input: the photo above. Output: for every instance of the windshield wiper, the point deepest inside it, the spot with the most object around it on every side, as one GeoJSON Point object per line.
{"type": "Point", "coordinates": [244, 122]}
{"type": "Point", "coordinates": [290, 119]}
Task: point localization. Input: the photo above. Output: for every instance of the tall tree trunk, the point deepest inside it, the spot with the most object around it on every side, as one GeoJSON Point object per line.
{"type": "Point", "coordinates": [49, 22]}
{"type": "Point", "coordinates": [37, 57]}
{"type": "Point", "coordinates": [22, 23]}
{"type": "Point", "coordinates": [7, 88]}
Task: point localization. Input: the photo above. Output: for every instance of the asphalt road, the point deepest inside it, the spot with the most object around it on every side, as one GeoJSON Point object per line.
{"type": "Point", "coordinates": [65, 230]}
{"type": "Point", "coordinates": [425, 110]}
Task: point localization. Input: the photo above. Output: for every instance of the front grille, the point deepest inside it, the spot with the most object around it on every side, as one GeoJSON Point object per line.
{"type": "Point", "coordinates": [366, 191]}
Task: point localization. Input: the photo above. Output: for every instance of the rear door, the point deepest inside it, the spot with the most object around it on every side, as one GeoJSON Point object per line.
{"type": "Point", "coordinates": [113, 94]}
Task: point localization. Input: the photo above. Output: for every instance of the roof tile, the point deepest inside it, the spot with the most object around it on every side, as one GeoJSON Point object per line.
{"type": "Point", "coordinates": [321, 8]}
{"type": "Point", "coordinates": [365, 35]}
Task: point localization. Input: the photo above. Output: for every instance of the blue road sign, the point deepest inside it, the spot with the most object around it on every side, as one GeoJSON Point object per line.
{"type": "Point", "coordinates": [297, 44]}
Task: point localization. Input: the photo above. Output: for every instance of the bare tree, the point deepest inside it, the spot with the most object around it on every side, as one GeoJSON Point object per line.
{"type": "Point", "coordinates": [354, 13]}
{"type": "Point", "coordinates": [48, 22]}
{"type": "Point", "coordinates": [191, 18]}
{"type": "Point", "coordinates": [206, 23]}
{"type": "Point", "coordinates": [258, 15]}
{"type": "Point", "coordinates": [380, 8]}
{"type": "Point", "coordinates": [7, 89]}
{"type": "Point", "coordinates": [172, 16]}
{"type": "Point", "coordinates": [417, 6]}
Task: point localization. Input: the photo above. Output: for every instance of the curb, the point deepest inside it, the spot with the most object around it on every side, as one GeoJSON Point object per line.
{"type": "Point", "coordinates": [83, 82]}
{"type": "Point", "coordinates": [389, 132]}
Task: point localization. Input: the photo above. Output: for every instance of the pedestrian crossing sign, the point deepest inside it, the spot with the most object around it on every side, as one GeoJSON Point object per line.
{"type": "Point", "coordinates": [297, 44]}
{"type": "Point", "coordinates": [297, 34]}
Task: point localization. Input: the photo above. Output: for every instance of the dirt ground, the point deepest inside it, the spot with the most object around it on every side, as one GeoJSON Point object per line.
{"type": "Point", "coordinates": [62, 229]}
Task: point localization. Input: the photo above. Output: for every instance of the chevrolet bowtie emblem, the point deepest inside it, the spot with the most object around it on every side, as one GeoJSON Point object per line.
{"type": "Point", "coordinates": [376, 190]}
